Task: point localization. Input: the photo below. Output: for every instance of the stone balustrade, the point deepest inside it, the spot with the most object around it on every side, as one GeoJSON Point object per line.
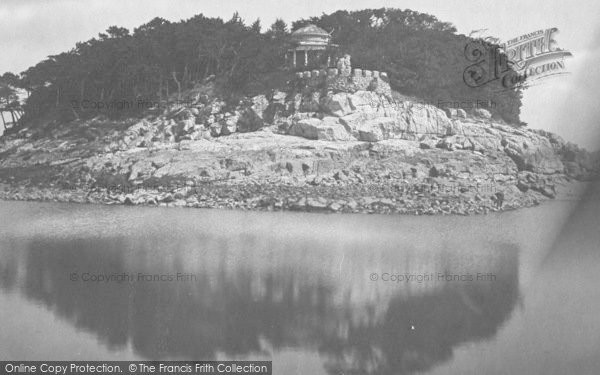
{"type": "Point", "coordinates": [333, 72]}
{"type": "Point", "coordinates": [337, 80]}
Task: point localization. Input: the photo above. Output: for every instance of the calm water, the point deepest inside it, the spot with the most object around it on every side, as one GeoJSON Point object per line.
{"type": "Point", "coordinates": [297, 288]}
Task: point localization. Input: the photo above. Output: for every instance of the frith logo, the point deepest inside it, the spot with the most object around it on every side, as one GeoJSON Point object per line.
{"type": "Point", "coordinates": [518, 63]}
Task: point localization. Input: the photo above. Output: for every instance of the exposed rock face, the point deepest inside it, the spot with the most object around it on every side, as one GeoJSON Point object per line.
{"type": "Point", "coordinates": [327, 129]}
{"type": "Point", "coordinates": [451, 112]}
{"type": "Point", "coordinates": [375, 130]}
{"type": "Point", "coordinates": [372, 117]}
{"type": "Point", "coordinates": [532, 153]}
{"type": "Point", "coordinates": [356, 150]}
{"type": "Point", "coordinates": [310, 103]}
{"type": "Point", "coordinates": [424, 120]}
{"type": "Point", "coordinates": [253, 118]}
{"type": "Point", "coordinates": [230, 125]}
{"type": "Point", "coordinates": [361, 116]}
{"type": "Point", "coordinates": [337, 104]}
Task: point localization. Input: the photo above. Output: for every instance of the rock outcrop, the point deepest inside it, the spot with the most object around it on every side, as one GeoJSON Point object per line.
{"type": "Point", "coordinates": [333, 148]}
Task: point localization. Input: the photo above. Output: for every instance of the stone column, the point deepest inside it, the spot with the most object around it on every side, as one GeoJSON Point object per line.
{"type": "Point", "coordinates": [306, 58]}
{"type": "Point", "coordinates": [294, 59]}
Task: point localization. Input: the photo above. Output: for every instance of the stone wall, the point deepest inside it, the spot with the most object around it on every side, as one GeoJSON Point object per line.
{"type": "Point", "coordinates": [356, 80]}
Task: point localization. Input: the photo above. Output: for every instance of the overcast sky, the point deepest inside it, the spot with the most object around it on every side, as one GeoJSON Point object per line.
{"type": "Point", "coordinates": [30, 30]}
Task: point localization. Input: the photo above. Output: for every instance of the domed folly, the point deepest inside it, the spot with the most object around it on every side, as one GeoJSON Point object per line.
{"type": "Point", "coordinates": [310, 42]}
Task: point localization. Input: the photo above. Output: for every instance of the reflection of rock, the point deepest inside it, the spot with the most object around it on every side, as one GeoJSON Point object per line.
{"type": "Point", "coordinates": [214, 313]}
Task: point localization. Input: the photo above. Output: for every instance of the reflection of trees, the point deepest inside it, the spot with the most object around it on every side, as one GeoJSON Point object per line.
{"type": "Point", "coordinates": [8, 262]}
{"type": "Point", "coordinates": [216, 313]}
{"type": "Point", "coordinates": [418, 332]}
{"type": "Point", "coordinates": [234, 309]}
{"type": "Point", "coordinates": [8, 271]}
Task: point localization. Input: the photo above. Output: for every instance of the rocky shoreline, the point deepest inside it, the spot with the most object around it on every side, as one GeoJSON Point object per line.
{"type": "Point", "coordinates": [435, 197]}
{"type": "Point", "coordinates": [281, 198]}
{"type": "Point", "coordinates": [342, 144]}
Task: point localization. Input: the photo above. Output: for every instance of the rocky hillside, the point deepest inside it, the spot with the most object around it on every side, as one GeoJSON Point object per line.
{"type": "Point", "coordinates": [327, 141]}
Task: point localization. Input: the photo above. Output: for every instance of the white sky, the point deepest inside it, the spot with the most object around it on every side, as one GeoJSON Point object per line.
{"type": "Point", "coordinates": [30, 30]}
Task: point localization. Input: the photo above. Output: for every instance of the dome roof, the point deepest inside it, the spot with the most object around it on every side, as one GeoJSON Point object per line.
{"type": "Point", "coordinates": [310, 30]}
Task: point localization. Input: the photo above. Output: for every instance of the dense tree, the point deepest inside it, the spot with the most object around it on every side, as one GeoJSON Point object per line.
{"type": "Point", "coordinates": [111, 73]}
{"type": "Point", "coordinates": [9, 99]}
{"type": "Point", "coordinates": [278, 28]}
{"type": "Point", "coordinates": [424, 56]}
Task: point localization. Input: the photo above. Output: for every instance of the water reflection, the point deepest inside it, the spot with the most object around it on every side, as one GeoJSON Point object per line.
{"type": "Point", "coordinates": [420, 331]}
{"type": "Point", "coordinates": [237, 305]}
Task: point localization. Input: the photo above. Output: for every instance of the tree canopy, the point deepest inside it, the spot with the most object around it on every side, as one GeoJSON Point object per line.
{"type": "Point", "coordinates": [423, 56]}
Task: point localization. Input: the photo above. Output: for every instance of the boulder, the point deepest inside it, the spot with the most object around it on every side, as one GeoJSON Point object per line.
{"type": "Point", "coordinates": [483, 113]}
{"type": "Point", "coordinates": [230, 125]}
{"type": "Point", "coordinates": [337, 104]}
{"type": "Point", "coordinates": [140, 169]}
{"type": "Point", "coordinates": [331, 130]}
{"type": "Point", "coordinates": [139, 128]}
{"type": "Point", "coordinates": [279, 97]}
{"type": "Point", "coordinates": [215, 129]}
{"type": "Point", "coordinates": [299, 205]}
{"type": "Point", "coordinates": [328, 129]}
{"type": "Point", "coordinates": [316, 203]}
{"type": "Point", "coordinates": [336, 206]}
{"type": "Point", "coordinates": [353, 120]}
{"type": "Point", "coordinates": [185, 126]}
{"type": "Point", "coordinates": [365, 102]}
{"type": "Point", "coordinates": [168, 198]}
{"type": "Point", "coordinates": [455, 142]}
{"type": "Point", "coordinates": [310, 103]}
{"type": "Point", "coordinates": [215, 107]}
{"type": "Point", "coordinates": [547, 190]}
{"type": "Point", "coordinates": [377, 129]}
{"type": "Point", "coordinates": [340, 175]}
{"type": "Point", "coordinates": [451, 112]}
{"type": "Point", "coordinates": [416, 120]}
{"type": "Point", "coordinates": [252, 118]}
{"type": "Point", "coordinates": [534, 154]}
{"type": "Point", "coordinates": [523, 186]}
{"type": "Point", "coordinates": [294, 166]}
{"type": "Point", "coordinates": [427, 144]}
{"type": "Point", "coordinates": [306, 128]}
